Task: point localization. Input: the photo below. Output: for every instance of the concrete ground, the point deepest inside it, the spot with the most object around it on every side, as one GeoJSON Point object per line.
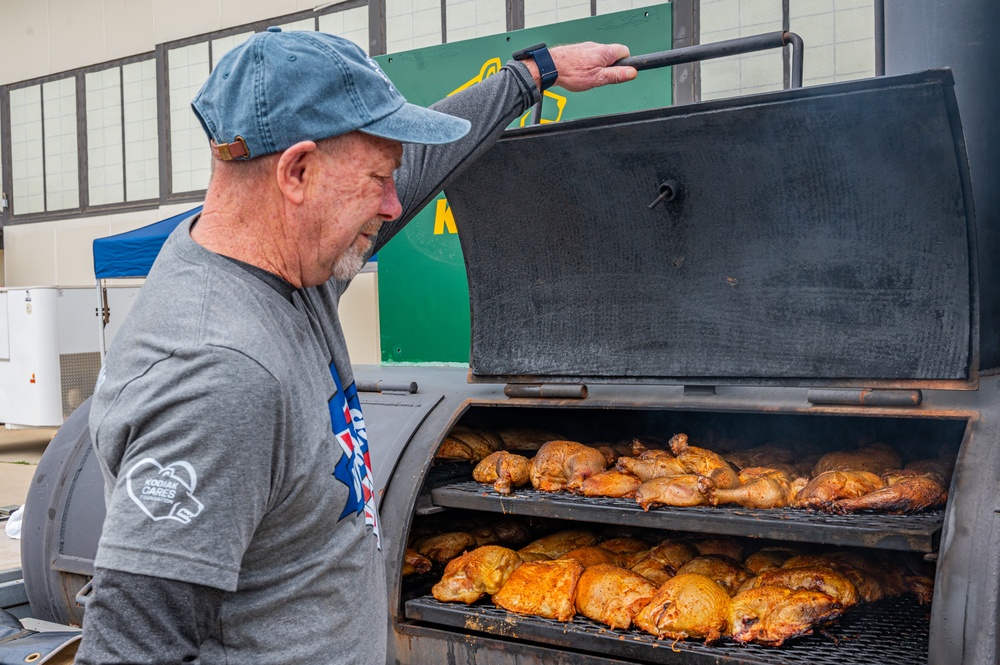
{"type": "Point", "coordinates": [20, 450]}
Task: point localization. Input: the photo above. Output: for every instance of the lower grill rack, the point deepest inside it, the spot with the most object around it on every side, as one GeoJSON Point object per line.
{"type": "Point", "coordinates": [893, 631]}
{"type": "Point", "coordinates": [910, 533]}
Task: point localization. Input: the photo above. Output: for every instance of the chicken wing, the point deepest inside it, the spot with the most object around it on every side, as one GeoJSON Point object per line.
{"type": "Point", "coordinates": [877, 458]}
{"type": "Point", "coordinates": [481, 571]}
{"type": "Point", "coordinates": [905, 492]}
{"type": "Point", "coordinates": [727, 572]}
{"type": "Point", "coordinates": [504, 470]}
{"type": "Point", "coordinates": [830, 486]}
{"type": "Point", "coordinates": [445, 546]}
{"type": "Point", "coordinates": [678, 491]}
{"type": "Point", "coordinates": [612, 595]}
{"type": "Point", "coordinates": [542, 588]}
{"type": "Point", "coordinates": [557, 544]}
{"type": "Point", "coordinates": [686, 606]}
{"type": "Point", "coordinates": [612, 483]}
{"type": "Point", "coordinates": [565, 465]}
{"type": "Point", "coordinates": [704, 462]}
{"type": "Point", "coordinates": [812, 578]}
{"type": "Point", "coordinates": [770, 615]}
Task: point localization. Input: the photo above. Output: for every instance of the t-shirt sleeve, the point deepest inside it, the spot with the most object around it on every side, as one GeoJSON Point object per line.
{"type": "Point", "coordinates": [196, 437]}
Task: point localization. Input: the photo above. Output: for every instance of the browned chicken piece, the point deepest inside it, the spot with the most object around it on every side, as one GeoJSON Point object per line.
{"type": "Point", "coordinates": [414, 563]}
{"type": "Point", "coordinates": [592, 556]}
{"type": "Point", "coordinates": [680, 491]}
{"type": "Point", "coordinates": [611, 483]}
{"type": "Point", "coordinates": [511, 532]}
{"type": "Point", "coordinates": [770, 615]}
{"type": "Point", "coordinates": [663, 561]}
{"type": "Point", "coordinates": [533, 556]}
{"type": "Point", "coordinates": [922, 587]}
{"type": "Point", "coordinates": [877, 458]}
{"type": "Point", "coordinates": [610, 454]}
{"type": "Point", "coordinates": [560, 465]}
{"type": "Point", "coordinates": [445, 546]}
{"type": "Point", "coordinates": [651, 464]}
{"type": "Point", "coordinates": [905, 492]}
{"type": "Point", "coordinates": [625, 545]}
{"type": "Point", "coordinates": [942, 466]}
{"type": "Point", "coordinates": [542, 588]}
{"type": "Point", "coordinates": [704, 462]}
{"type": "Point", "coordinates": [612, 595]}
{"type": "Point", "coordinates": [886, 570]}
{"type": "Point", "coordinates": [465, 444]}
{"type": "Point", "coordinates": [766, 490]}
{"type": "Point", "coordinates": [727, 572]}
{"type": "Point", "coordinates": [686, 606]}
{"type": "Point", "coordinates": [485, 535]}
{"type": "Point", "coordinates": [751, 473]}
{"type": "Point", "coordinates": [730, 547]}
{"type": "Point", "coordinates": [867, 585]}
{"type": "Point", "coordinates": [813, 578]}
{"type": "Point", "coordinates": [481, 571]}
{"type": "Point", "coordinates": [769, 558]}
{"type": "Point", "coordinates": [557, 544]}
{"type": "Point", "coordinates": [454, 450]}
{"type": "Point", "coordinates": [504, 470]}
{"type": "Point", "coordinates": [826, 488]}
{"type": "Point", "coordinates": [526, 440]}
{"type": "Point", "coordinates": [759, 456]}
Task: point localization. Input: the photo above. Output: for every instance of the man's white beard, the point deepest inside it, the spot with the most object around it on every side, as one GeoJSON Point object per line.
{"type": "Point", "coordinates": [353, 259]}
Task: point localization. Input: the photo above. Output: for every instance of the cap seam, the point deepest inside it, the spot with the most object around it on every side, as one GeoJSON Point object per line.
{"type": "Point", "coordinates": [263, 121]}
{"type": "Point", "coordinates": [348, 76]}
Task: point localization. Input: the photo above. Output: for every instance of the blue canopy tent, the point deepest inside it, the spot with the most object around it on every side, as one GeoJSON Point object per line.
{"type": "Point", "coordinates": [129, 255]}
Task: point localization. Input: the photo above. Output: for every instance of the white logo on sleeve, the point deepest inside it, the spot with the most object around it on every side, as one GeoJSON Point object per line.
{"type": "Point", "coordinates": [164, 492]}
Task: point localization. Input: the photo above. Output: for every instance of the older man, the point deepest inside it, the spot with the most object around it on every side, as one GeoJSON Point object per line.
{"type": "Point", "coordinates": [242, 526]}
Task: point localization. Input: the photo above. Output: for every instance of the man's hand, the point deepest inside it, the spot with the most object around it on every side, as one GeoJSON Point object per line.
{"type": "Point", "coordinates": [586, 65]}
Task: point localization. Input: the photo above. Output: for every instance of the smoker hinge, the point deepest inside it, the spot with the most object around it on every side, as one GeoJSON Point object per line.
{"type": "Point", "coordinates": [866, 397]}
{"type": "Point", "coordinates": [550, 390]}
{"type": "Point", "coordinates": [388, 387]}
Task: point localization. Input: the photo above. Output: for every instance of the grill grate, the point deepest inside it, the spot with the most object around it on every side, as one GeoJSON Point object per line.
{"type": "Point", "coordinates": [913, 533]}
{"type": "Point", "coordinates": [891, 632]}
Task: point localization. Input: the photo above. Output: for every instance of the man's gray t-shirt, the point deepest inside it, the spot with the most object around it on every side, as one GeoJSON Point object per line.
{"type": "Point", "coordinates": [227, 427]}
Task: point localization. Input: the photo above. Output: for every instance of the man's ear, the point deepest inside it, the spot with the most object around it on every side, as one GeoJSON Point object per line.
{"type": "Point", "coordinates": [296, 167]}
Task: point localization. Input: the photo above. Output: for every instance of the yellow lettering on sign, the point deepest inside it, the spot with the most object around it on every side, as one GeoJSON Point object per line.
{"type": "Point", "coordinates": [443, 219]}
{"type": "Point", "coordinates": [489, 68]}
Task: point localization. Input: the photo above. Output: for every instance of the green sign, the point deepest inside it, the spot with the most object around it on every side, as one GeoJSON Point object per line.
{"type": "Point", "coordinates": [423, 292]}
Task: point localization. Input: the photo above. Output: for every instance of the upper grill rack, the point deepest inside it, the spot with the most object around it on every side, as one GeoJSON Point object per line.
{"type": "Point", "coordinates": [909, 533]}
{"type": "Point", "coordinates": [891, 632]}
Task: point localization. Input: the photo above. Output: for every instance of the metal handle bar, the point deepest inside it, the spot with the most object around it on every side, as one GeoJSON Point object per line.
{"type": "Point", "coordinates": [740, 45]}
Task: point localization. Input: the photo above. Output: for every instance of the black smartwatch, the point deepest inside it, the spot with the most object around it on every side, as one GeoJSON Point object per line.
{"type": "Point", "coordinates": [543, 59]}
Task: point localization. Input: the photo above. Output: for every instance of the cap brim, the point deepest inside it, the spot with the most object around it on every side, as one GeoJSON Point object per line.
{"type": "Point", "coordinates": [415, 124]}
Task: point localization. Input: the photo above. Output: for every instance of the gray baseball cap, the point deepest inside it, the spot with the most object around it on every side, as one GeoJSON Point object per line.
{"type": "Point", "coordinates": [279, 88]}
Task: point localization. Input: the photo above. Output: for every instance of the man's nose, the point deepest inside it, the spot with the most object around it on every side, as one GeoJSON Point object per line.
{"type": "Point", "coordinates": [391, 208]}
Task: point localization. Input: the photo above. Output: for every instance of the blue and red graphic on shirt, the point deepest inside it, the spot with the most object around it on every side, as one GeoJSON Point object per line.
{"type": "Point", "coordinates": [354, 468]}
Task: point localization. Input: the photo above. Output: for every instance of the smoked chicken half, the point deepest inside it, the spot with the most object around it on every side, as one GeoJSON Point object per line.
{"type": "Point", "coordinates": [593, 556]}
{"type": "Point", "coordinates": [728, 573]}
{"type": "Point", "coordinates": [811, 578]}
{"type": "Point", "coordinates": [504, 470]}
{"type": "Point", "coordinates": [704, 462]}
{"type": "Point", "coordinates": [686, 606]}
{"type": "Point", "coordinates": [468, 445]}
{"type": "Point", "coordinates": [560, 465]}
{"type": "Point", "coordinates": [612, 595]}
{"type": "Point", "coordinates": [555, 545]}
{"type": "Point", "coordinates": [663, 561]}
{"type": "Point", "coordinates": [612, 483]}
{"type": "Point", "coordinates": [680, 491]}
{"type": "Point", "coordinates": [765, 488]}
{"type": "Point", "coordinates": [651, 464]}
{"type": "Point", "coordinates": [445, 546]}
{"type": "Point", "coordinates": [830, 486]}
{"type": "Point", "coordinates": [905, 492]}
{"type": "Point", "coordinates": [542, 588]}
{"type": "Point", "coordinates": [877, 458]}
{"type": "Point", "coordinates": [481, 571]}
{"type": "Point", "coordinates": [770, 615]}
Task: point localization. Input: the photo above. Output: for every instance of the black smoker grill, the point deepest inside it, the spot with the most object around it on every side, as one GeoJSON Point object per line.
{"type": "Point", "coordinates": [808, 272]}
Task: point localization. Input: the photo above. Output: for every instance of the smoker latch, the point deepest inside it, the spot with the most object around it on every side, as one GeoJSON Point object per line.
{"type": "Point", "coordinates": [549, 390]}
{"type": "Point", "coordinates": [866, 397]}
{"type": "Point", "coordinates": [388, 387]}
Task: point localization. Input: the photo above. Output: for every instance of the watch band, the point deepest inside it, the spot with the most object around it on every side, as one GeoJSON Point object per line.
{"type": "Point", "coordinates": [543, 59]}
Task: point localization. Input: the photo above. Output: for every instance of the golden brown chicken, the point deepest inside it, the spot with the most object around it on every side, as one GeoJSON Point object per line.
{"type": "Point", "coordinates": [680, 491]}
{"type": "Point", "coordinates": [526, 440]}
{"type": "Point", "coordinates": [723, 546]}
{"type": "Point", "coordinates": [504, 470]}
{"type": "Point", "coordinates": [445, 546]}
{"type": "Point", "coordinates": [905, 492]}
{"type": "Point", "coordinates": [772, 489]}
{"type": "Point", "coordinates": [704, 462]}
{"type": "Point", "coordinates": [877, 458]}
{"type": "Point", "coordinates": [867, 585]}
{"type": "Point", "coordinates": [612, 483]}
{"type": "Point", "coordinates": [686, 606]}
{"type": "Point", "coordinates": [663, 561]}
{"type": "Point", "coordinates": [651, 464]}
{"type": "Point", "coordinates": [612, 595]}
{"type": "Point", "coordinates": [481, 571]}
{"type": "Point", "coordinates": [728, 573]}
{"type": "Point", "coordinates": [560, 465]}
{"type": "Point", "coordinates": [922, 587]}
{"type": "Point", "coordinates": [826, 488]}
{"type": "Point", "coordinates": [812, 578]}
{"type": "Point", "coordinates": [542, 588]}
{"type": "Point", "coordinates": [466, 444]}
{"type": "Point", "coordinates": [770, 615]}
{"type": "Point", "coordinates": [557, 544]}
{"type": "Point", "coordinates": [625, 545]}
{"type": "Point", "coordinates": [592, 556]}
{"type": "Point", "coordinates": [768, 558]}
{"type": "Point", "coordinates": [759, 456]}
{"type": "Point", "coordinates": [414, 563]}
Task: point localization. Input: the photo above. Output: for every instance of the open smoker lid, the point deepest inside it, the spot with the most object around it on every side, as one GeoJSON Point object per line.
{"type": "Point", "coordinates": [820, 236]}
